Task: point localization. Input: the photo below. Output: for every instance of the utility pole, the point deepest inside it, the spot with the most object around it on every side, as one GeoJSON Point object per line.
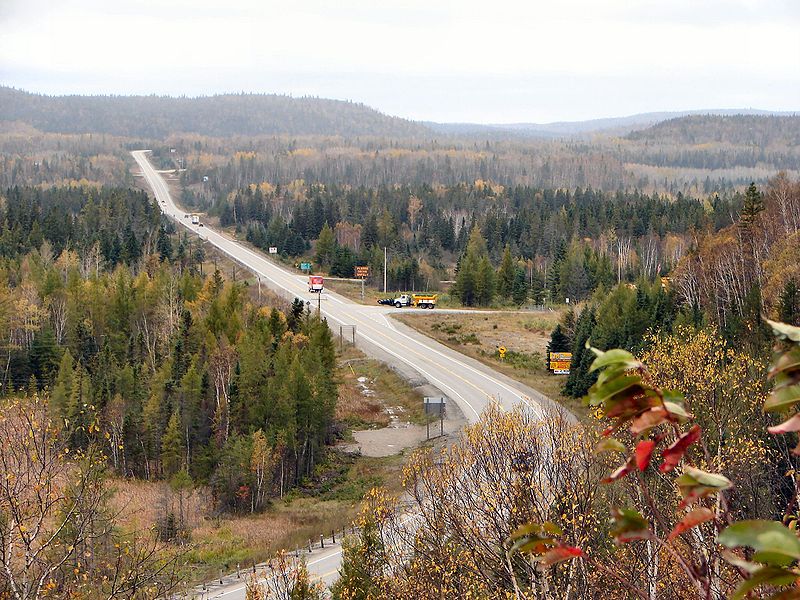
{"type": "Point", "coordinates": [384, 269]}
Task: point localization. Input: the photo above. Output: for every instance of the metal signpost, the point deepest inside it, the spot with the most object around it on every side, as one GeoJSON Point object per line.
{"type": "Point", "coordinates": [305, 266]}
{"type": "Point", "coordinates": [435, 404]}
{"type": "Point", "coordinates": [273, 249]}
{"type": "Point", "coordinates": [362, 272]}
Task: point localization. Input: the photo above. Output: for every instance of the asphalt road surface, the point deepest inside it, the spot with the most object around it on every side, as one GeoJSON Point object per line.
{"type": "Point", "coordinates": [468, 383]}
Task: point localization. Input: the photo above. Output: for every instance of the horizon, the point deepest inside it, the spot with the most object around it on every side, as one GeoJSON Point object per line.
{"type": "Point", "coordinates": [677, 112]}
{"type": "Point", "coordinates": [451, 62]}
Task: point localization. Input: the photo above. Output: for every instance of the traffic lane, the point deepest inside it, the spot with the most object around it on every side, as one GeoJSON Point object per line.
{"type": "Point", "coordinates": [415, 350]}
{"type": "Point", "coordinates": [321, 567]}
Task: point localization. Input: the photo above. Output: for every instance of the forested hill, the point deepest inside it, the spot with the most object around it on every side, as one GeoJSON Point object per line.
{"type": "Point", "coordinates": [224, 115]}
{"type": "Point", "coordinates": [756, 130]}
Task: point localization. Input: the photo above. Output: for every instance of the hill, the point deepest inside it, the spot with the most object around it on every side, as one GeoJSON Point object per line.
{"type": "Point", "coordinates": [221, 116]}
{"type": "Point", "coordinates": [562, 129]}
{"type": "Point", "coordinates": [742, 130]}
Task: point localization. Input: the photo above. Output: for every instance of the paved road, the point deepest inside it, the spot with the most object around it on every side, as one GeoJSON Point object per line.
{"type": "Point", "coordinates": [467, 382]}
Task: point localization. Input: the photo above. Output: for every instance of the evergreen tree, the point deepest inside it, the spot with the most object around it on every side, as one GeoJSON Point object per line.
{"type": "Point", "coordinates": [505, 275]}
{"type": "Point", "coordinates": [473, 283]}
{"type": "Point", "coordinates": [326, 246]}
{"type": "Point", "coordinates": [485, 282]}
{"type": "Point", "coordinates": [559, 342]}
{"type": "Point", "coordinates": [519, 290]}
{"type": "Point", "coordinates": [752, 207]}
{"type": "Point", "coordinates": [789, 305]}
{"type": "Point", "coordinates": [172, 446]}
{"type": "Point", "coordinates": [580, 380]}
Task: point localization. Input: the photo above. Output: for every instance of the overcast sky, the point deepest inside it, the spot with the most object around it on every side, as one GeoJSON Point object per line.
{"type": "Point", "coordinates": [489, 61]}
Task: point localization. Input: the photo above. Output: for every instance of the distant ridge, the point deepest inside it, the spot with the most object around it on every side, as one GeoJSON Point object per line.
{"type": "Point", "coordinates": [222, 115]}
{"type": "Point", "coordinates": [243, 114]}
{"type": "Point", "coordinates": [609, 125]}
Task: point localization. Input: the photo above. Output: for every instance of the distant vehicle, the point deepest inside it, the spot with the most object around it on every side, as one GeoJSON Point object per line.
{"type": "Point", "coordinates": [201, 225]}
{"type": "Point", "coordinates": [418, 300]}
{"type": "Point", "coordinates": [185, 216]}
{"type": "Point", "coordinates": [195, 219]}
{"type": "Point", "coordinates": [315, 284]}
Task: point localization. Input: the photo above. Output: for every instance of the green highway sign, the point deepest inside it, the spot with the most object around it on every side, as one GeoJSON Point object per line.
{"type": "Point", "coordinates": [305, 266]}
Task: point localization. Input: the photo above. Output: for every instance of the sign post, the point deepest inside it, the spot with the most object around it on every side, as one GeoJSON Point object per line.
{"type": "Point", "coordinates": [362, 272]}
{"type": "Point", "coordinates": [434, 403]}
{"type": "Point", "coordinates": [305, 266]}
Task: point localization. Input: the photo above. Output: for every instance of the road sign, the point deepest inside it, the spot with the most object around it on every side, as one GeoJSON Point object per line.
{"type": "Point", "coordinates": [434, 404]}
{"type": "Point", "coordinates": [273, 250]}
{"type": "Point", "coordinates": [306, 266]}
{"type": "Point", "coordinates": [502, 351]}
{"type": "Point", "coordinates": [560, 362]}
{"type": "Point", "coordinates": [361, 272]}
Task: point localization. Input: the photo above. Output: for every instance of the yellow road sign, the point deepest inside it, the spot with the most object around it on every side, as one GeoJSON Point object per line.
{"type": "Point", "coordinates": [501, 350]}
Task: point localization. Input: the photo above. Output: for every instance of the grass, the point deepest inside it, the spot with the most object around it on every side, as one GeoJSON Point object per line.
{"type": "Point", "coordinates": [524, 335]}
{"type": "Point", "coordinates": [360, 411]}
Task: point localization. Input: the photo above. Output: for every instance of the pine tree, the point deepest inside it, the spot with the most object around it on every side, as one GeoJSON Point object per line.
{"type": "Point", "coordinates": [753, 206]}
{"type": "Point", "coordinates": [559, 342]}
{"type": "Point", "coordinates": [789, 307]}
{"type": "Point", "coordinates": [505, 275]}
{"type": "Point", "coordinates": [485, 283]}
{"type": "Point", "coordinates": [580, 380]}
{"type": "Point", "coordinates": [172, 446]}
{"type": "Point", "coordinates": [519, 290]}
{"type": "Point", "coordinates": [62, 390]}
{"type": "Point", "coordinates": [326, 246]}
{"type": "Point", "coordinates": [473, 284]}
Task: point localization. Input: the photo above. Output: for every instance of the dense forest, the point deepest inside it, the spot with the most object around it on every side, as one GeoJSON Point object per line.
{"type": "Point", "coordinates": [238, 140]}
{"type": "Point", "coordinates": [220, 116]}
{"type": "Point", "coordinates": [178, 372]}
{"type": "Point", "coordinates": [680, 462]}
{"type": "Point", "coordinates": [565, 243]}
{"type": "Point", "coordinates": [727, 280]}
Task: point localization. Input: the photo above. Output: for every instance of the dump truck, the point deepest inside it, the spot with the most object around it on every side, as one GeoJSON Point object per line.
{"type": "Point", "coordinates": [418, 300]}
{"type": "Point", "coordinates": [315, 284]}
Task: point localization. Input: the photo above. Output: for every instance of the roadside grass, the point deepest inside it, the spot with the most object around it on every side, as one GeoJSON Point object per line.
{"type": "Point", "coordinates": [362, 404]}
{"type": "Point", "coordinates": [219, 543]}
{"type": "Point", "coordinates": [525, 336]}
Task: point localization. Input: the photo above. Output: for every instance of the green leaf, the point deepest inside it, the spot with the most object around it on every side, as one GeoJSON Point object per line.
{"type": "Point", "coordinates": [772, 576]}
{"type": "Point", "coordinates": [782, 399]}
{"type": "Point", "coordinates": [784, 331]}
{"type": "Point", "coordinates": [534, 538]}
{"type": "Point", "coordinates": [695, 484]}
{"type": "Point", "coordinates": [788, 361]}
{"type": "Point", "coordinates": [773, 543]}
{"type": "Point", "coordinates": [629, 525]}
{"type": "Point", "coordinates": [616, 358]}
{"type": "Point", "coordinates": [610, 445]}
{"type": "Point", "coordinates": [676, 411]}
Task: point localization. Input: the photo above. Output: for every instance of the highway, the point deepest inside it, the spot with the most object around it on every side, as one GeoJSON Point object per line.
{"type": "Point", "coordinates": [467, 382]}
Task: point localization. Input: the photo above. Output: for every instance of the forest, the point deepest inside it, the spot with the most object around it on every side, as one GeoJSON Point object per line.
{"type": "Point", "coordinates": [152, 369]}
{"type": "Point", "coordinates": [680, 481]}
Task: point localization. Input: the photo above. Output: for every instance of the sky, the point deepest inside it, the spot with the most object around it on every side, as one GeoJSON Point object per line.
{"type": "Point", "coordinates": [487, 61]}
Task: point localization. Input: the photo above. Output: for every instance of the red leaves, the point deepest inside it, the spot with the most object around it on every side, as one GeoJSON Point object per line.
{"type": "Point", "coordinates": [643, 453]}
{"type": "Point", "coordinates": [560, 554]}
{"type": "Point", "coordinates": [674, 453]}
{"type": "Point", "coordinates": [788, 426]}
{"type": "Point", "coordinates": [692, 519]}
{"type": "Point", "coordinates": [649, 419]}
{"type": "Point", "coordinates": [629, 465]}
